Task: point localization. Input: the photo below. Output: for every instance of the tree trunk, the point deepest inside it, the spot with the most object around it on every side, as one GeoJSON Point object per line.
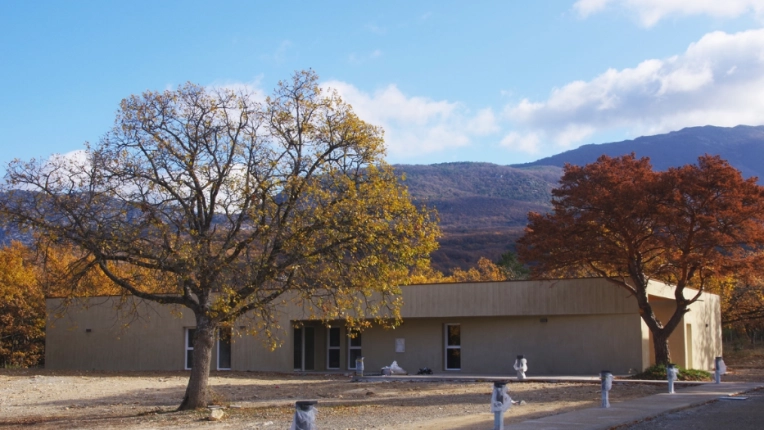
{"type": "Point", "coordinates": [197, 395]}
{"type": "Point", "coordinates": [661, 346]}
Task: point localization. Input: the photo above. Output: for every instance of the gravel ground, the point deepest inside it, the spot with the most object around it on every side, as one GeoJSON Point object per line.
{"type": "Point", "coordinates": [46, 399]}
{"type": "Point", "coordinates": [69, 400]}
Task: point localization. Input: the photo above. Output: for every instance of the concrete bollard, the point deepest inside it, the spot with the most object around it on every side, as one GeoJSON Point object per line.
{"type": "Point", "coordinates": [671, 373]}
{"type": "Point", "coordinates": [359, 366]}
{"type": "Point", "coordinates": [521, 366]}
{"type": "Point", "coordinates": [719, 369]}
{"type": "Point", "coordinates": [500, 403]}
{"type": "Point", "coordinates": [304, 415]}
{"type": "Point", "coordinates": [607, 383]}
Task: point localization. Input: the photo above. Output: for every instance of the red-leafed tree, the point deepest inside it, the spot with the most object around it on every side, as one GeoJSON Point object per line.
{"type": "Point", "coordinates": [618, 219]}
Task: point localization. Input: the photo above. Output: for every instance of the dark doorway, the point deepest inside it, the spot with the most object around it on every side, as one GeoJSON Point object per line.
{"type": "Point", "coordinates": [304, 348]}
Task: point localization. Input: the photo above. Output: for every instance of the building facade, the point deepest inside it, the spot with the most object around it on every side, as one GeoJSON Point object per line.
{"type": "Point", "coordinates": [562, 327]}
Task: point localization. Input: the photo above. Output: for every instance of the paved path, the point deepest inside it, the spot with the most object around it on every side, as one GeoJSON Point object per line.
{"type": "Point", "coordinates": [633, 411]}
{"type": "Point", "coordinates": [738, 414]}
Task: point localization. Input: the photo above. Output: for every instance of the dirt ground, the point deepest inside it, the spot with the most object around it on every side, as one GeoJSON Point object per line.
{"type": "Point", "coordinates": [253, 400]}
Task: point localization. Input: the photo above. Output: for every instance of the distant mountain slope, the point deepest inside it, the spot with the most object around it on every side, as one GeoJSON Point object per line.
{"type": "Point", "coordinates": [482, 207]}
{"type": "Point", "coordinates": [742, 146]}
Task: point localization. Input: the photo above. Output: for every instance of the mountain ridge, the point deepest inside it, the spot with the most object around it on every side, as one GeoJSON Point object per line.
{"type": "Point", "coordinates": [482, 213]}
{"type": "Point", "coordinates": [483, 206]}
{"type": "Point", "coordinates": [742, 146]}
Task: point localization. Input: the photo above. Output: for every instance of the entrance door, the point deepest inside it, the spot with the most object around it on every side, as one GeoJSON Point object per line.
{"type": "Point", "coordinates": [304, 348]}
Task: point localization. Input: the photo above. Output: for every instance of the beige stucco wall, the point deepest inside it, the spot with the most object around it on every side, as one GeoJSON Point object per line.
{"type": "Point", "coordinates": [560, 297]}
{"type": "Point", "coordinates": [140, 336]}
{"type": "Point", "coordinates": [697, 340]}
{"type": "Point", "coordinates": [571, 344]}
{"type": "Point", "coordinates": [154, 339]}
{"type": "Point", "coordinates": [590, 326]}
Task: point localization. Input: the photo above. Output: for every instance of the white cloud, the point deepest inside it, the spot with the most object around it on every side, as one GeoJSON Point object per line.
{"type": "Point", "coordinates": [253, 90]}
{"type": "Point", "coordinates": [528, 143]}
{"type": "Point", "coordinates": [650, 12]}
{"type": "Point", "coordinates": [718, 80]}
{"type": "Point", "coordinates": [417, 125]}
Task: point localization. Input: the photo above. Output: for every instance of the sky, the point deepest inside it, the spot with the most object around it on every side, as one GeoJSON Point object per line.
{"type": "Point", "coordinates": [505, 82]}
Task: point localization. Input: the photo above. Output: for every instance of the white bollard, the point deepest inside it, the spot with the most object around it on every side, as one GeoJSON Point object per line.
{"type": "Point", "coordinates": [500, 403]}
{"type": "Point", "coordinates": [671, 373]}
{"type": "Point", "coordinates": [304, 415]}
{"type": "Point", "coordinates": [521, 366]}
{"type": "Point", "coordinates": [607, 383]}
{"type": "Point", "coordinates": [719, 369]}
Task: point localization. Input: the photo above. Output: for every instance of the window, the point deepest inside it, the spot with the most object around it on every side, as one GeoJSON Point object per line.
{"type": "Point", "coordinates": [453, 343]}
{"type": "Point", "coordinates": [224, 349]}
{"type": "Point", "coordinates": [333, 348]}
{"type": "Point", "coordinates": [304, 348]}
{"type": "Point", "coordinates": [190, 333]}
{"type": "Point", "coordinates": [354, 349]}
{"type": "Point", "coordinates": [297, 348]}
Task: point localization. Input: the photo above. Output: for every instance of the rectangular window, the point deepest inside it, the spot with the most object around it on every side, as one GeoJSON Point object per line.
{"type": "Point", "coordinates": [453, 342]}
{"type": "Point", "coordinates": [333, 348]}
{"type": "Point", "coordinates": [354, 349]}
{"type": "Point", "coordinates": [224, 349]}
{"type": "Point", "coordinates": [304, 348]}
{"type": "Point", "coordinates": [190, 333]}
{"type": "Point", "coordinates": [297, 348]}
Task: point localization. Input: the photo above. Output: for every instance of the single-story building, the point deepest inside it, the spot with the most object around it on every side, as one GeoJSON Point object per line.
{"type": "Point", "coordinates": [562, 327]}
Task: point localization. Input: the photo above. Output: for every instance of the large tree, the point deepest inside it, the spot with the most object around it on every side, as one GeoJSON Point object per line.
{"type": "Point", "coordinates": [22, 309]}
{"type": "Point", "coordinates": [619, 219]}
{"type": "Point", "coordinates": [236, 207]}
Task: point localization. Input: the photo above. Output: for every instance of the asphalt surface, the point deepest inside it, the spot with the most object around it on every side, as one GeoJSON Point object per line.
{"type": "Point", "coordinates": [718, 414]}
{"type": "Point", "coordinates": [650, 411]}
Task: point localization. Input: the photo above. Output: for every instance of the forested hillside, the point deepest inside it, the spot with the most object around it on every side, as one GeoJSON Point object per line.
{"type": "Point", "coordinates": [483, 207]}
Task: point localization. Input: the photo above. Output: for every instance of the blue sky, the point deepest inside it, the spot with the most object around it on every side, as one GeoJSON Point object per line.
{"type": "Point", "coordinates": [499, 81]}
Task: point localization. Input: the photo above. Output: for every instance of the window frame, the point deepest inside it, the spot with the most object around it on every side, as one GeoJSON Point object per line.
{"type": "Point", "coordinates": [330, 348]}
{"type": "Point", "coordinates": [188, 346]}
{"type": "Point", "coordinates": [230, 349]}
{"type": "Point", "coordinates": [447, 347]}
{"type": "Point", "coordinates": [351, 347]}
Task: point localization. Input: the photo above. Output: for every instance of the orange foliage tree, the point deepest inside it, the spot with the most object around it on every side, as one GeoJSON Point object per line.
{"type": "Point", "coordinates": [618, 219]}
{"type": "Point", "coordinates": [485, 270]}
{"type": "Point", "coordinates": [742, 302]}
{"type": "Point", "coordinates": [22, 309]}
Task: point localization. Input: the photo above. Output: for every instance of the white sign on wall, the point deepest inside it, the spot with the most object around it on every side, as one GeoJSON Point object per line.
{"type": "Point", "coordinates": [400, 345]}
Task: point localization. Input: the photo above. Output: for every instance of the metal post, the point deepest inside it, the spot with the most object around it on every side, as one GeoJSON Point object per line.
{"type": "Point", "coordinates": [607, 383]}
{"type": "Point", "coordinates": [304, 415]}
{"type": "Point", "coordinates": [500, 402]}
{"type": "Point", "coordinates": [671, 374]}
{"type": "Point", "coordinates": [521, 366]}
{"type": "Point", "coordinates": [719, 369]}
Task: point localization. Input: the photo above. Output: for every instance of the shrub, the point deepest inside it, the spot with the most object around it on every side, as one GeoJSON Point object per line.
{"type": "Point", "coordinates": [658, 372]}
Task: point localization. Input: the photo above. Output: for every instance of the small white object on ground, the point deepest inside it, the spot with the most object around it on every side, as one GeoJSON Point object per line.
{"type": "Point", "coordinates": [216, 415]}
